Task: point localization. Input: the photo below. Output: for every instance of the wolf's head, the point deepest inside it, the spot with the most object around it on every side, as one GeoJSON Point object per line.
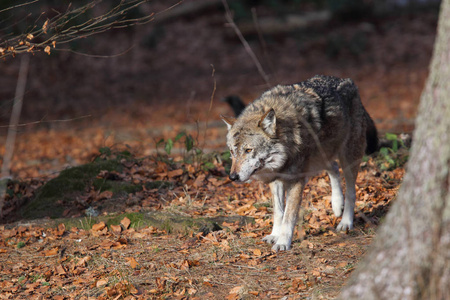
{"type": "Point", "coordinates": [254, 146]}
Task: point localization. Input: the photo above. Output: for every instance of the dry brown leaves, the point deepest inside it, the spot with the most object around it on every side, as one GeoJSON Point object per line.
{"type": "Point", "coordinates": [117, 261]}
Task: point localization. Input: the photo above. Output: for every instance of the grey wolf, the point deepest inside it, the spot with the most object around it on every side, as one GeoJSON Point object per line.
{"type": "Point", "coordinates": [293, 131]}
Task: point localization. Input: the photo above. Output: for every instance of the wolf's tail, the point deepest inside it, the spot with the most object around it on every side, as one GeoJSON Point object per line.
{"type": "Point", "coordinates": [371, 135]}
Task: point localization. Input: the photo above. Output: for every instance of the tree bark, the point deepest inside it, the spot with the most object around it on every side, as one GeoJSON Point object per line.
{"type": "Point", "coordinates": [410, 257]}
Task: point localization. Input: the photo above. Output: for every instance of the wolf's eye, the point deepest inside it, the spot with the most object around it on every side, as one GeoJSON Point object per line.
{"type": "Point", "coordinates": [248, 150]}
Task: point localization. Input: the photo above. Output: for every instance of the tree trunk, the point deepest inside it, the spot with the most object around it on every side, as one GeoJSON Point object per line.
{"type": "Point", "coordinates": [410, 257]}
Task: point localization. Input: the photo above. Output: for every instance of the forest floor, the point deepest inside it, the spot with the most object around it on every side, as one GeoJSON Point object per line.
{"type": "Point", "coordinates": [148, 225]}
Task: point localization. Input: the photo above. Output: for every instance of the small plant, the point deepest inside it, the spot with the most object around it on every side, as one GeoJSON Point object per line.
{"type": "Point", "coordinates": [168, 145]}
{"type": "Point", "coordinates": [106, 153]}
{"type": "Point", "coordinates": [20, 245]}
{"type": "Point", "coordinates": [191, 153]}
{"type": "Point", "coordinates": [391, 157]}
{"type": "Point", "coordinates": [349, 266]}
{"type": "Point", "coordinates": [21, 280]}
{"type": "Point", "coordinates": [36, 277]}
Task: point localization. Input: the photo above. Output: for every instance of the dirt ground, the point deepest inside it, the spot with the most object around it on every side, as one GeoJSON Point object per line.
{"type": "Point", "coordinates": [157, 90]}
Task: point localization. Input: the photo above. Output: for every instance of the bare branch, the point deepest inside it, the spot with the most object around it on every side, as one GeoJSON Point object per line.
{"type": "Point", "coordinates": [65, 27]}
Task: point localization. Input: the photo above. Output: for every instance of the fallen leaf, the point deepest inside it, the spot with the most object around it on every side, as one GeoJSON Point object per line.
{"type": "Point", "coordinates": [132, 262]}
{"type": "Point", "coordinates": [191, 291]}
{"type": "Point", "coordinates": [180, 292]}
{"type": "Point", "coordinates": [175, 173]}
{"type": "Point", "coordinates": [236, 292]}
{"type": "Point", "coordinates": [105, 195]}
{"type": "Point", "coordinates": [51, 252]}
{"type": "Point", "coordinates": [60, 270]}
{"type": "Point", "coordinates": [225, 245]}
{"type": "Point", "coordinates": [117, 229]}
{"type": "Point", "coordinates": [101, 282]}
{"type": "Point", "coordinates": [125, 222]}
{"type": "Point", "coordinates": [120, 243]}
{"type": "Point", "coordinates": [257, 252]}
{"type": "Point", "coordinates": [82, 262]}
{"type": "Point", "coordinates": [199, 180]}
{"type": "Point", "coordinates": [61, 229]}
{"type": "Point", "coordinates": [236, 289]}
{"type": "Point", "coordinates": [246, 209]}
{"type": "Point", "coordinates": [98, 226]}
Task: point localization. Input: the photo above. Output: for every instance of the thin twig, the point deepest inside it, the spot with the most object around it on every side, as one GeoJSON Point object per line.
{"type": "Point", "coordinates": [12, 131]}
{"type": "Point", "coordinates": [229, 18]}
{"type": "Point", "coordinates": [18, 5]}
{"type": "Point", "coordinates": [261, 40]}
{"type": "Point", "coordinates": [49, 121]}
{"type": "Point", "coordinates": [98, 56]}
{"type": "Point", "coordinates": [210, 104]}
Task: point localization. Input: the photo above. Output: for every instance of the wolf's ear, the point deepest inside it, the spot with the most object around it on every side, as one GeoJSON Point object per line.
{"type": "Point", "coordinates": [228, 120]}
{"type": "Point", "coordinates": [268, 122]}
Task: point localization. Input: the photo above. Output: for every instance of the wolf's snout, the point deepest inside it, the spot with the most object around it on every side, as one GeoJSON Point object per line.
{"type": "Point", "coordinates": [234, 176]}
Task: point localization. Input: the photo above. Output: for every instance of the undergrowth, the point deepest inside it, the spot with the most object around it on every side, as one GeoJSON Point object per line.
{"type": "Point", "coordinates": [394, 155]}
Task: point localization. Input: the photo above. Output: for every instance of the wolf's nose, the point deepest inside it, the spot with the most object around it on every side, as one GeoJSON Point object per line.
{"type": "Point", "coordinates": [234, 176]}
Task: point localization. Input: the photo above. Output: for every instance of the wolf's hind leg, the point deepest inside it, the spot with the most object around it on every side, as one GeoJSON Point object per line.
{"type": "Point", "coordinates": [350, 168]}
{"type": "Point", "coordinates": [277, 190]}
{"type": "Point", "coordinates": [337, 198]}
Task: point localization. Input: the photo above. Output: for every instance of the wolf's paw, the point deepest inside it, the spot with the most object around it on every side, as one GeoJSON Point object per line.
{"type": "Point", "coordinates": [281, 247]}
{"type": "Point", "coordinates": [344, 226]}
{"type": "Point", "coordinates": [270, 239]}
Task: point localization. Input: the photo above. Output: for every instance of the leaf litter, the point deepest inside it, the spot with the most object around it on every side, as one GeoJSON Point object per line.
{"type": "Point", "coordinates": [128, 261]}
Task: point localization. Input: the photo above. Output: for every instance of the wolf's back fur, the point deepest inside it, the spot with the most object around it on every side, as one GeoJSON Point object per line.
{"type": "Point", "coordinates": [328, 104]}
{"type": "Point", "coordinates": [292, 131]}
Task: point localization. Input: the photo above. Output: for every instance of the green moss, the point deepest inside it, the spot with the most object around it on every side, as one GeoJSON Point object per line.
{"type": "Point", "coordinates": [84, 223]}
{"type": "Point", "coordinates": [157, 184]}
{"type": "Point", "coordinates": [137, 220]}
{"type": "Point", "coordinates": [115, 186]}
{"type": "Point", "coordinates": [64, 188]}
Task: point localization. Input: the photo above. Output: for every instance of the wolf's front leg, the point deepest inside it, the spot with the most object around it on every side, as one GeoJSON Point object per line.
{"type": "Point", "coordinates": [277, 189]}
{"type": "Point", "coordinates": [293, 201]}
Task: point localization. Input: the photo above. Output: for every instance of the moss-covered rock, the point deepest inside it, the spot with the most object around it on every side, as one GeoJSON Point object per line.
{"type": "Point", "coordinates": [50, 198]}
